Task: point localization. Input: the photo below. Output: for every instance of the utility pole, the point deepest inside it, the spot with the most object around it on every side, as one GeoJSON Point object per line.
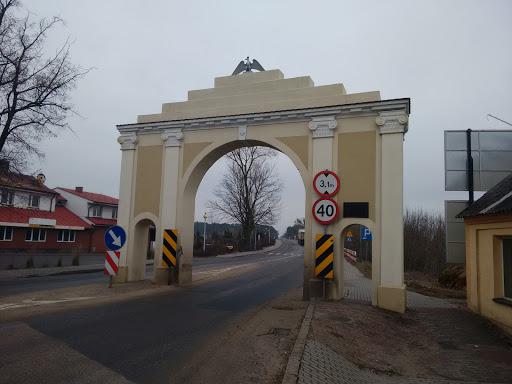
{"type": "Point", "coordinates": [469, 156]}
{"type": "Point", "coordinates": [204, 237]}
{"type": "Point", "coordinates": [360, 239]}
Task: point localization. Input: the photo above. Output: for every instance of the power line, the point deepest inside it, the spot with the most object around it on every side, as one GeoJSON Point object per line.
{"type": "Point", "coordinates": [503, 121]}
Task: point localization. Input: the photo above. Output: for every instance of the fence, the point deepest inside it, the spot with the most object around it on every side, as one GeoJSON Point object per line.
{"type": "Point", "coordinates": [350, 255]}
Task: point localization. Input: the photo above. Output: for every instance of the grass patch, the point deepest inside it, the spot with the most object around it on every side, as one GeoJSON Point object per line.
{"type": "Point", "coordinates": [425, 284]}
{"type": "Point", "coordinates": [365, 267]}
{"type": "Point", "coordinates": [419, 282]}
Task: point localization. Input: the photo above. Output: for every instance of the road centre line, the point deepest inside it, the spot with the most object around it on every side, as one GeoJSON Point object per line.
{"type": "Point", "coordinates": [217, 271]}
{"type": "Point", "coordinates": [281, 258]}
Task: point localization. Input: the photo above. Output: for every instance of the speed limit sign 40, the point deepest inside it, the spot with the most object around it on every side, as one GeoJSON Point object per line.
{"type": "Point", "coordinates": [325, 210]}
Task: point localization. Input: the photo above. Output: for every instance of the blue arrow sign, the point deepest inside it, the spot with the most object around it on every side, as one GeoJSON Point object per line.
{"type": "Point", "coordinates": [367, 234]}
{"type": "Point", "coordinates": [115, 237]}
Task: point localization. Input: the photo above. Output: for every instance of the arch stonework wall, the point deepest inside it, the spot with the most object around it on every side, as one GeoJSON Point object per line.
{"type": "Point", "coordinates": [358, 136]}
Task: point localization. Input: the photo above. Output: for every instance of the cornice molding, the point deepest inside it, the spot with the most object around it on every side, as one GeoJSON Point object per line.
{"type": "Point", "coordinates": [128, 142]}
{"type": "Point", "coordinates": [375, 108]}
{"type": "Point", "coordinates": [323, 126]}
{"type": "Point", "coordinates": [393, 122]}
{"type": "Point", "coordinates": [172, 137]}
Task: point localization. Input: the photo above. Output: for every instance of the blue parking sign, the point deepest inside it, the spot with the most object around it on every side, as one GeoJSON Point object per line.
{"type": "Point", "coordinates": [367, 234]}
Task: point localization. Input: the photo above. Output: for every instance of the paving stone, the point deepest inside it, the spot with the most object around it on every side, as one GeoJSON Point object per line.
{"type": "Point", "coordinates": [358, 287]}
{"type": "Point", "coordinates": [457, 345]}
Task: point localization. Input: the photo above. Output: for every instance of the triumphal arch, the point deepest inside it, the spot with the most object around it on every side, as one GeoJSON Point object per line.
{"type": "Point", "coordinates": [358, 136]}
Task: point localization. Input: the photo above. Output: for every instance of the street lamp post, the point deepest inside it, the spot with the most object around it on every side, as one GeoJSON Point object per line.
{"type": "Point", "coordinates": [204, 237]}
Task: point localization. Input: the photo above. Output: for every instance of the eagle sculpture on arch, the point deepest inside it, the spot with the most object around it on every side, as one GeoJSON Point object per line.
{"type": "Point", "coordinates": [247, 66]}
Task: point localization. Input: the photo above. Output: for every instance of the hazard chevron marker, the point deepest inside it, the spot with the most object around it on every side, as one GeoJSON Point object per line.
{"type": "Point", "coordinates": [112, 263]}
{"type": "Point", "coordinates": [169, 248]}
{"type": "Point", "coordinates": [324, 256]}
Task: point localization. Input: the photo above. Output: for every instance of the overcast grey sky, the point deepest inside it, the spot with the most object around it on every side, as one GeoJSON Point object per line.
{"type": "Point", "coordinates": [452, 58]}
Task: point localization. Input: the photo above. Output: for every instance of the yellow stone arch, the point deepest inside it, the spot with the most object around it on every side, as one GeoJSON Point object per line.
{"type": "Point", "coordinates": [358, 136]}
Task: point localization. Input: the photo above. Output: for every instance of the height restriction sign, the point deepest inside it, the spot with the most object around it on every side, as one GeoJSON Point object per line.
{"type": "Point", "coordinates": [325, 210]}
{"type": "Point", "coordinates": [326, 183]}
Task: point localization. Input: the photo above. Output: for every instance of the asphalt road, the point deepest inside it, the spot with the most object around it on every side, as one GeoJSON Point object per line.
{"type": "Point", "coordinates": [145, 340]}
{"type": "Point", "coordinates": [45, 283]}
{"type": "Point", "coordinates": [19, 260]}
{"type": "Point", "coordinates": [42, 283]}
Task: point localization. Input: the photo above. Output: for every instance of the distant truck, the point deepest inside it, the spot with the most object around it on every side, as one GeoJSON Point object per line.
{"type": "Point", "coordinates": [301, 236]}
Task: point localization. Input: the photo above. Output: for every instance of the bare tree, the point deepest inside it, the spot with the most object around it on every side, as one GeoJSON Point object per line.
{"type": "Point", "coordinates": [424, 241]}
{"type": "Point", "coordinates": [34, 89]}
{"type": "Point", "coordinates": [250, 190]}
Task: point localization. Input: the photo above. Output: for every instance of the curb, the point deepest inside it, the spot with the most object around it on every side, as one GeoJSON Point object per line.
{"type": "Point", "coordinates": [291, 373]}
{"type": "Point", "coordinates": [6, 275]}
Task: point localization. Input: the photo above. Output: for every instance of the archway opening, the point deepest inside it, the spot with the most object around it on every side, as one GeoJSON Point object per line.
{"type": "Point", "coordinates": [144, 243]}
{"type": "Point", "coordinates": [357, 259]}
{"type": "Point", "coordinates": [218, 235]}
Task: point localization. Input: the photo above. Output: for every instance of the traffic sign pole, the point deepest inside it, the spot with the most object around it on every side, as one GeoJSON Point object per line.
{"type": "Point", "coordinates": [111, 265]}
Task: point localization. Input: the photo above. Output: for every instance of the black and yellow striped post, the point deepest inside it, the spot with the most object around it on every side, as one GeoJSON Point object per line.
{"type": "Point", "coordinates": [324, 256]}
{"type": "Point", "coordinates": [169, 248]}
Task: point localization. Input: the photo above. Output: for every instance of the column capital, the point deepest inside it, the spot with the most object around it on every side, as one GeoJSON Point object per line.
{"type": "Point", "coordinates": [172, 137]}
{"type": "Point", "coordinates": [128, 141]}
{"type": "Point", "coordinates": [393, 122]}
{"type": "Point", "coordinates": [323, 126]}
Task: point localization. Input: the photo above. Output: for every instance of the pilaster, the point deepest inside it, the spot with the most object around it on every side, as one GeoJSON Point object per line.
{"type": "Point", "coordinates": [322, 128]}
{"type": "Point", "coordinates": [172, 140]}
{"type": "Point", "coordinates": [128, 145]}
{"type": "Point", "coordinates": [392, 291]}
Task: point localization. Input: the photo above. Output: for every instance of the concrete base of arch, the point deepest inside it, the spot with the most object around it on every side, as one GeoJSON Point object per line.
{"type": "Point", "coordinates": [122, 275]}
{"type": "Point", "coordinates": [393, 298]}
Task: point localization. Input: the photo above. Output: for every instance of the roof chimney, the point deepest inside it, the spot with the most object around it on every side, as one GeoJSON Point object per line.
{"type": "Point", "coordinates": [4, 165]}
{"type": "Point", "coordinates": [79, 189]}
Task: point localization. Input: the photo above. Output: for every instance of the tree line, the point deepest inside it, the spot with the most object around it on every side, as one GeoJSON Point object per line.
{"type": "Point", "coordinates": [293, 230]}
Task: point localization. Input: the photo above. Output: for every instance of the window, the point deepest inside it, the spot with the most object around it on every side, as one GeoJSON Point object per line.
{"type": "Point", "coordinates": [5, 233]}
{"type": "Point", "coordinates": [7, 197]}
{"type": "Point", "coordinates": [114, 213]}
{"type": "Point", "coordinates": [507, 268]}
{"type": "Point", "coordinates": [96, 211]}
{"type": "Point", "coordinates": [33, 201]}
{"type": "Point", "coordinates": [36, 234]}
{"type": "Point", "coordinates": [66, 235]}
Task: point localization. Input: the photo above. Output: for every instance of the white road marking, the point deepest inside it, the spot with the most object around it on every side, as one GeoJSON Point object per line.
{"type": "Point", "coordinates": [35, 303]}
{"type": "Point", "coordinates": [281, 258]}
{"type": "Point", "coordinates": [221, 270]}
{"type": "Point", "coordinates": [217, 271]}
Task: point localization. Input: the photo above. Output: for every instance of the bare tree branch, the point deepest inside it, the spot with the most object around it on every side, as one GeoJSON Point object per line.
{"type": "Point", "coordinates": [250, 190]}
{"type": "Point", "coordinates": [34, 88]}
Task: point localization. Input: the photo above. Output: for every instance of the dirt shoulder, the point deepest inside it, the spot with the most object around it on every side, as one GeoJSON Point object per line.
{"type": "Point", "coordinates": [427, 285]}
{"type": "Point", "coordinates": [429, 343]}
{"type": "Point", "coordinates": [252, 349]}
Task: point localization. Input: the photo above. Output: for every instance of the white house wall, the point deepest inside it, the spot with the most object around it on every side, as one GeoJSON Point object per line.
{"type": "Point", "coordinates": [76, 204]}
{"type": "Point", "coordinates": [21, 200]}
